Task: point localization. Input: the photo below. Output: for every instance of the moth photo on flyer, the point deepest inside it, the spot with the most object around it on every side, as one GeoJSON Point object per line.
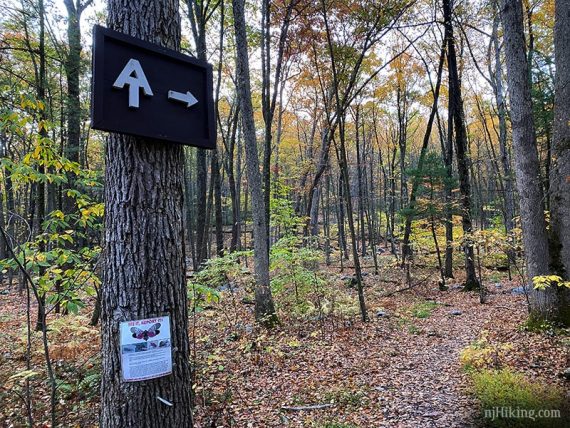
{"type": "Point", "coordinates": [146, 351]}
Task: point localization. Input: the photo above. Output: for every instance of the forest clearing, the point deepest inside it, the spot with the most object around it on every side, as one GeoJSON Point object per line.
{"type": "Point", "coordinates": [285, 213]}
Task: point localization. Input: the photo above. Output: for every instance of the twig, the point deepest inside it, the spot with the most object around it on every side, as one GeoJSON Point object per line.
{"type": "Point", "coordinates": [308, 407]}
{"type": "Point", "coordinates": [49, 367]}
{"type": "Point", "coordinates": [391, 293]}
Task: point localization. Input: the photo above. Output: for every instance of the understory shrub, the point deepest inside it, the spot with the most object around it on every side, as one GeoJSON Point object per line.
{"type": "Point", "coordinates": [482, 354]}
{"type": "Point", "coordinates": [510, 399]}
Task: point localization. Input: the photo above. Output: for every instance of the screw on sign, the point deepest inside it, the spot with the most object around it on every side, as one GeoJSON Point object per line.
{"type": "Point", "coordinates": [150, 91]}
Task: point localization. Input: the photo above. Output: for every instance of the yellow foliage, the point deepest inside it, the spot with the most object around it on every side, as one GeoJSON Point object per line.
{"type": "Point", "coordinates": [543, 281]}
{"type": "Point", "coordinates": [482, 354]}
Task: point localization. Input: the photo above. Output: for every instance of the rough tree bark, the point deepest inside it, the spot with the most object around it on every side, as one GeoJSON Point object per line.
{"type": "Point", "coordinates": [560, 168]}
{"type": "Point", "coordinates": [527, 166]}
{"type": "Point", "coordinates": [144, 272]}
{"type": "Point", "coordinates": [264, 307]}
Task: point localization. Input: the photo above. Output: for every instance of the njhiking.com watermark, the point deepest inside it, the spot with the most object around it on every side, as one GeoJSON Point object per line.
{"type": "Point", "coordinates": [506, 412]}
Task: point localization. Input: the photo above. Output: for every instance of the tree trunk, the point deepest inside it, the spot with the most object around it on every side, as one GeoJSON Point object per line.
{"type": "Point", "coordinates": [201, 203]}
{"type": "Point", "coordinates": [343, 164]}
{"type": "Point", "coordinates": [502, 113]}
{"type": "Point", "coordinates": [40, 196]}
{"type": "Point", "coordinates": [234, 187]}
{"type": "Point", "coordinates": [325, 202]}
{"type": "Point", "coordinates": [219, 221]}
{"type": "Point", "coordinates": [340, 219]}
{"type": "Point", "coordinates": [402, 108]}
{"type": "Point", "coordinates": [5, 215]}
{"type": "Point", "coordinates": [72, 73]}
{"type": "Point", "coordinates": [560, 168]}
{"type": "Point", "coordinates": [406, 250]}
{"type": "Point", "coordinates": [461, 147]}
{"type": "Point", "coordinates": [321, 167]}
{"type": "Point", "coordinates": [198, 24]}
{"type": "Point", "coordinates": [10, 209]}
{"type": "Point", "coordinates": [391, 224]}
{"type": "Point", "coordinates": [314, 217]}
{"type": "Point", "coordinates": [188, 208]}
{"type": "Point", "coordinates": [359, 171]}
{"type": "Point", "coordinates": [264, 307]}
{"type": "Point", "coordinates": [527, 166]}
{"type": "Point", "coordinates": [144, 272]}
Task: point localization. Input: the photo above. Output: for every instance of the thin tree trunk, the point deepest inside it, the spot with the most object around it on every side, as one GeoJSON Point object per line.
{"type": "Point", "coordinates": [326, 219]}
{"type": "Point", "coordinates": [314, 218]}
{"type": "Point", "coordinates": [73, 103]}
{"type": "Point", "coordinates": [264, 306]}
{"type": "Point", "coordinates": [461, 148]}
{"type": "Point", "coordinates": [406, 250]}
{"type": "Point", "coordinates": [234, 187]}
{"type": "Point", "coordinates": [359, 167]}
{"type": "Point", "coordinates": [188, 209]}
{"type": "Point", "coordinates": [270, 89]}
{"type": "Point", "coordinates": [502, 113]}
{"type": "Point", "coordinates": [343, 165]}
{"type": "Point", "coordinates": [40, 197]}
{"type": "Point", "coordinates": [447, 154]}
{"type": "Point", "coordinates": [198, 24]}
{"type": "Point", "coordinates": [340, 215]}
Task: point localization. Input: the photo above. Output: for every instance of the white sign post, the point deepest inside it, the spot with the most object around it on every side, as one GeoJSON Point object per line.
{"type": "Point", "coordinates": [146, 349]}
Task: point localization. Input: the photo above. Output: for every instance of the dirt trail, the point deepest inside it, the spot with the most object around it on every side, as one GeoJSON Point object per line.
{"type": "Point", "coordinates": [396, 371]}
{"type": "Point", "coordinates": [427, 387]}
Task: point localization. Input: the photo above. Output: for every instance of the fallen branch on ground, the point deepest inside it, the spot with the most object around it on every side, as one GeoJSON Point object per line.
{"type": "Point", "coordinates": [309, 407]}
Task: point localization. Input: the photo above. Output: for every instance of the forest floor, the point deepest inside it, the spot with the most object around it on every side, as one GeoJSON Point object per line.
{"type": "Point", "coordinates": [400, 369]}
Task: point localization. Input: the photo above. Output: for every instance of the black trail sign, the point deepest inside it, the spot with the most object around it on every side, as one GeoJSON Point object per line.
{"type": "Point", "coordinates": [149, 91]}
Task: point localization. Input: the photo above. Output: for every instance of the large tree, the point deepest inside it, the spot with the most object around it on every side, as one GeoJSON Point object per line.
{"type": "Point", "coordinates": [527, 166]}
{"type": "Point", "coordinates": [144, 272]}
{"type": "Point", "coordinates": [560, 168]}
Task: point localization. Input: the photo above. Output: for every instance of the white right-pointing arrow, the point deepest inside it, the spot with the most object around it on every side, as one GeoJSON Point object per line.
{"type": "Point", "coordinates": [186, 98]}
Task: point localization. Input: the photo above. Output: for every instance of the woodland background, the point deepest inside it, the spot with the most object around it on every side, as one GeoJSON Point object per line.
{"type": "Point", "coordinates": [395, 170]}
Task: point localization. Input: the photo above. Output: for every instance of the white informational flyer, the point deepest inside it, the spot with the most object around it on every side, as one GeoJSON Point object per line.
{"type": "Point", "coordinates": [146, 350]}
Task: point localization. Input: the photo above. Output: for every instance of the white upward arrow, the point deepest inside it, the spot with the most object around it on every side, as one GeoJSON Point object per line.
{"type": "Point", "coordinates": [187, 97]}
{"type": "Point", "coordinates": [133, 76]}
